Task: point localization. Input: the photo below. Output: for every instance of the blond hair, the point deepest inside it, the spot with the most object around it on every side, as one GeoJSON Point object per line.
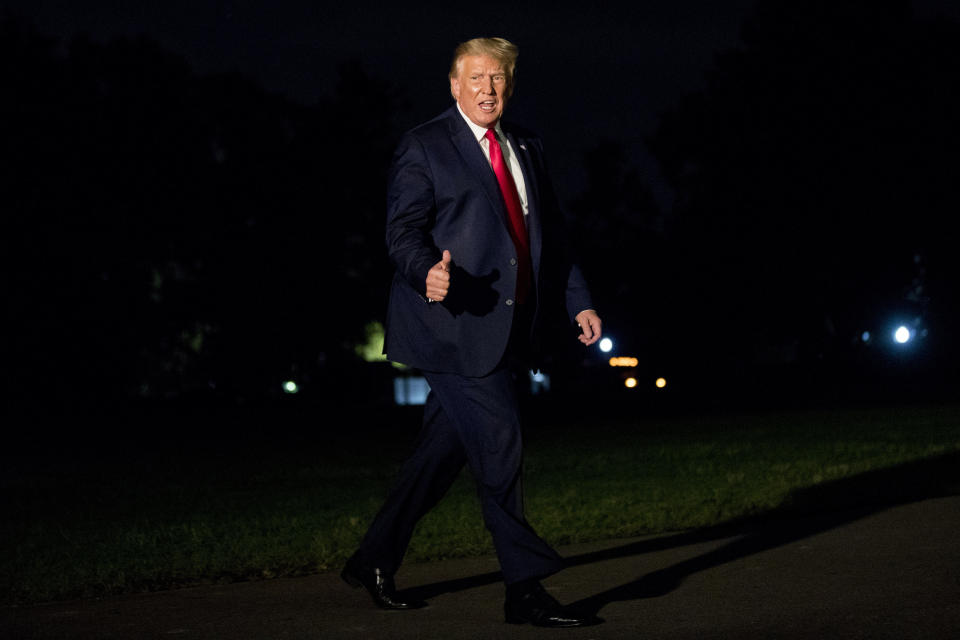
{"type": "Point", "coordinates": [500, 49]}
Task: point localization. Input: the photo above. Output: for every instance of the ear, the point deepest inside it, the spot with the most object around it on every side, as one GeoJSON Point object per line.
{"type": "Point", "coordinates": [455, 88]}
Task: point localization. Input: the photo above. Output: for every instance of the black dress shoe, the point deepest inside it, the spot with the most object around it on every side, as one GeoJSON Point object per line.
{"type": "Point", "coordinates": [379, 585]}
{"type": "Point", "coordinates": [541, 609]}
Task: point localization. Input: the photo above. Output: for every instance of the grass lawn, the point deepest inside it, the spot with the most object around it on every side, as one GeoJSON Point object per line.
{"type": "Point", "coordinates": [164, 508]}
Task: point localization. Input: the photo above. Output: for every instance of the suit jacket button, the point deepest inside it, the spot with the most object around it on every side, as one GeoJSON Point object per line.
{"type": "Point", "coordinates": [513, 262]}
{"type": "Point", "coordinates": [509, 301]}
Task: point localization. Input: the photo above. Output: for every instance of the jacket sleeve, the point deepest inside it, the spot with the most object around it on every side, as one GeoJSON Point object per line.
{"type": "Point", "coordinates": [411, 213]}
{"type": "Point", "coordinates": [578, 295]}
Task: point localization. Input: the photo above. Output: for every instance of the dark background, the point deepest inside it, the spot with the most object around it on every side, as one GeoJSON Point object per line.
{"type": "Point", "coordinates": [193, 191]}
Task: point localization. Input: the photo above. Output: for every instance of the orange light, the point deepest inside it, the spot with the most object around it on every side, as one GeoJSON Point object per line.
{"type": "Point", "coordinates": [661, 383]}
{"type": "Point", "coordinates": [630, 383]}
{"type": "Point", "coordinates": [621, 361]}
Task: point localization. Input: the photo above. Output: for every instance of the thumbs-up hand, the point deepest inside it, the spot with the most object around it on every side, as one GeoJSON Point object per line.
{"type": "Point", "coordinates": [438, 278]}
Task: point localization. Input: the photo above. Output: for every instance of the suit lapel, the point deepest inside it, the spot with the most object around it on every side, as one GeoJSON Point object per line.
{"type": "Point", "coordinates": [477, 165]}
{"type": "Point", "coordinates": [530, 179]}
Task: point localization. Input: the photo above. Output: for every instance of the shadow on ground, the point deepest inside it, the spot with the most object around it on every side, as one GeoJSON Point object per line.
{"type": "Point", "coordinates": [804, 513]}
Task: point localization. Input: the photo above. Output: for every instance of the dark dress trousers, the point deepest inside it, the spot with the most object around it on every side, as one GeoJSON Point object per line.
{"type": "Point", "coordinates": [443, 194]}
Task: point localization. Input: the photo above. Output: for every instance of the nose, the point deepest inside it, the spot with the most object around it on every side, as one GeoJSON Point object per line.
{"type": "Point", "coordinates": [487, 85]}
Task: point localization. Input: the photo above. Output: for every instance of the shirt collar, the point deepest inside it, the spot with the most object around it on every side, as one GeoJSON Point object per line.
{"type": "Point", "coordinates": [478, 131]}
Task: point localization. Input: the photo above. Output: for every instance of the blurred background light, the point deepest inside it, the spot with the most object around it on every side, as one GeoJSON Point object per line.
{"type": "Point", "coordinates": [410, 390]}
{"type": "Point", "coordinates": [371, 349]}
{"type": "Point", "coordinates": [902, 335]}
{"type": "Point", "coordinates": [623, 361]}
{"type": "Point", "coordinates": [630, 383]}
{"type": "Point", "coordinates": [539, 382]}
{"type": "Point", "coordinates": [606, 345]}
{"type": "Point", "coordinates": [661, 383]}
{"type": "Point", "coordinates": [290, 386]}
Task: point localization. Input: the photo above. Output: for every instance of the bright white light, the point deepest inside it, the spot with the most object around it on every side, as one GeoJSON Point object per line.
{"type": "Point", "coordinates": [901, 335]}
{"type": "Point", "coordinates": [606, 345]}
{"type": "Point", "coordinates": [290, 387]}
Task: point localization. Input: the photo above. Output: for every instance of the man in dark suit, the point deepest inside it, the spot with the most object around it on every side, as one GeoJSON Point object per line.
{"type": "Point", "coordinates": [474, 232]}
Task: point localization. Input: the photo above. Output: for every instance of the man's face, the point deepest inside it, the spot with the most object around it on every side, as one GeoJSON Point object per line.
{"type": "Point", "coordinates": [481, 89]}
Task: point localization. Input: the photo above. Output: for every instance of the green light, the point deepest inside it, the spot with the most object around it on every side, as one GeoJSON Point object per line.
{"type": "Point", "coordinates": [290, 387]}
{"type": "Point", "coordinates": [372, 348]}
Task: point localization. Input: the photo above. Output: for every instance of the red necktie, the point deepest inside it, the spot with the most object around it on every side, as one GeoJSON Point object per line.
{"type": "Point", "coordinates": [518, 230]}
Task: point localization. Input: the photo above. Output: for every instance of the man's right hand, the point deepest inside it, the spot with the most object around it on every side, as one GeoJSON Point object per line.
{"type": "Point", "coordinates": [438, 279]}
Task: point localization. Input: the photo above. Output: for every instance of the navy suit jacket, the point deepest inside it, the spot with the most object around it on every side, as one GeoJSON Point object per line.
{"type": "Point", "coordinates": [443, 194]}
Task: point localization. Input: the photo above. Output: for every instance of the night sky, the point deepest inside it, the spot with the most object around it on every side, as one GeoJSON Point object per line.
{"type": "Point", "coordinates": [585, 73]}
{"type": "Point", "coordinates": [582, 75]}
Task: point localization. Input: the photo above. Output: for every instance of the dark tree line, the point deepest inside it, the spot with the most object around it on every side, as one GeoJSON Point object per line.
{"type": "Point", "coordinates": [167, 232]}
{"type": "Point", "coordinates": [816, 185]}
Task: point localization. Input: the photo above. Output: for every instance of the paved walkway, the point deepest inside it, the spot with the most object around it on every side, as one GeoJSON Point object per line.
{"type": "Point", "coordinates": [891, 572]}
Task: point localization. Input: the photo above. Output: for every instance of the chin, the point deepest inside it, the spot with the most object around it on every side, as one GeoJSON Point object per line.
{"type": "Point", "coordinates": [489, 118]}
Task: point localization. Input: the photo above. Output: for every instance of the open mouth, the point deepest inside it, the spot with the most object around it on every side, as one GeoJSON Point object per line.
{"type": "Point", "coordinates": [488, 105]}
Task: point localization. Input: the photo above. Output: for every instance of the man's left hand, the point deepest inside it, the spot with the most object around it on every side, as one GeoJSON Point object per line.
{"type": "Point", "coordinates": [589, 323]}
